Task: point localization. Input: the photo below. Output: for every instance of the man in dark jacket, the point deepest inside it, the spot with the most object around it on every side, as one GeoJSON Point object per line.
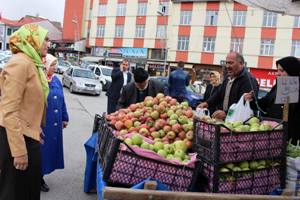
{"type": "Point", "coordinates": [141, 87]}
{"type": "Point", "coordinates": [237, 82]}
{"type": "Point", "coordinates": [120, 77]}
{"type": "Point", "coordinates": [178, 80]}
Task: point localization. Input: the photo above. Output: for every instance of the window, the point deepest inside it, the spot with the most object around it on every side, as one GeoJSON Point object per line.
{"type": "Point", "coordinates": [267, 47]}
{"type": "Point", "coordinates": [164, 7]}
{"type": "Point", "coordinates": [296, 48]}
{"type": "Point", "coordinates": [102, 10]}
{"type": "Point", "coordinates": [211, 18]}
{"type": "Point", "coordinates": [90, 14]}
{"type": "Point", "coordinates": [270, 19]}
{"type": "Point", "coordinates": [100, 31]}
{"type": "Point", "coordinates": [209, 44]}
{"type": "Point", "coordinates": [97, 71]}
{"type": "Point", "coordinates": [161, 31]}
{"type": "Point", "coordinates": [183, 43]}
{"type": "Point", "coordinates": [185, 17]}
{"type": "Point", "coordinates": [239, 18]}
{"type": "Point", "coordinates": [121, 9]}
{"type": "Point", "coordinates": [119, 31]}
{"type": "Point", "coordinates": [140, 31]}
{"type": "Point", "coordinates": [158, 54]}
{"type": "Point", "coordinates": [142, 9]}
{"type": "Point", "coordinates": [297, 22]}
{"type": "Point", "coordinates": [237, 45]}
{"type": "Point", "coordinates": [9, 31]}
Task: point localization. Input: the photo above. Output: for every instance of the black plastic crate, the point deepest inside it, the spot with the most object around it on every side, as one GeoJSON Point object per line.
{"type": "Point", "coordinates": [260, 181]}
{"type": "Point", "coordinates": [126, 168]}
{"type": "Point", "coordinates": [213, 143]}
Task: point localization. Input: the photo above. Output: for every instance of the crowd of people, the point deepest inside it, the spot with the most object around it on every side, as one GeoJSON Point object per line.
{"type": "Point", "coordinates": [33, 111]}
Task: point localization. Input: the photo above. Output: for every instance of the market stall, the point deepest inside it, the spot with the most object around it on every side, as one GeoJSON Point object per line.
{"type": "Point", "coordinates": [161, 140]}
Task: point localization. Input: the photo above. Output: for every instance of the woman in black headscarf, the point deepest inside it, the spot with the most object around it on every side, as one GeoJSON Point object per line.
{"type": "Point", "coordinates": [287, 66]}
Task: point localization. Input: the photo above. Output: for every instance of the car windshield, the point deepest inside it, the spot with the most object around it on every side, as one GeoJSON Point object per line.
{"type": "Point", "coordinates": [64, 64]}
{"type": "Point", "coordinates": [83, 73]}
{"type": "Point", "coordinates": [106, 71]}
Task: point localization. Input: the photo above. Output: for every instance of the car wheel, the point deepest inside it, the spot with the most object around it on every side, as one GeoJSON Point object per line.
{"type": "Point", "coordinates": [71, 88]}
{"type": "Point", "coordinates": [103, 86]}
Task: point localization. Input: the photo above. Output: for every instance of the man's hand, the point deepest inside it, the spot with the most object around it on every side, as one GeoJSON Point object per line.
{"type": "Point", "coordinates": [121, 67]}
{"type": "Point", "coordinates": [21, 162]}
{"type": "Point", "coordinates": [219, 114]}
{"type": "Point", "coordinates": [203, 105]}
{"type": "Point", "coordinates": [248, 96]}
{"type": "Point", "coordinates": [65, 124]}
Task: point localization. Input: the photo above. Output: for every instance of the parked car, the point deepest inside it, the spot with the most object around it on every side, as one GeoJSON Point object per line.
{"type": "Point", "coordinates": [103, 73]}
{"type": "Point", "coordinates": [82, 81]}
{"type": "Point", "coordinates": [62, 66]}
{"type": "Point", "coordinates": [192, 97]}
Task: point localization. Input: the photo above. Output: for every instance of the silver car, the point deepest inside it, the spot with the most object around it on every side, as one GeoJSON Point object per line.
{"type": "Point", "coordinates": [81, 81]}
{"type": "Point", "coordinates": [62, 66]}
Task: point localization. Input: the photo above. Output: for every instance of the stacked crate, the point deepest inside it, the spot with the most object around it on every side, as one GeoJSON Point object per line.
{"type": "Point", "coordinates": [226, 157]}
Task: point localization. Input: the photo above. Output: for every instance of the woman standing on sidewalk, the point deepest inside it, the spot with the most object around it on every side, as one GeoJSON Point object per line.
{"type": "Point", "coordinates": [56, 119]}
{"type": "Point", "coordinates": [24, 91]}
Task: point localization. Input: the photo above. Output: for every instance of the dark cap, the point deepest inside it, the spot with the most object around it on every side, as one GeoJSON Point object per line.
{"type": "Point", "coordinates": [140, 75]}
{"type": "Point", "coordinates": [290, 64]}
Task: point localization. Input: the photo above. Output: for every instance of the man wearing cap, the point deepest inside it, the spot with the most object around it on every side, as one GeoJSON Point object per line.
{"type": "Point", "coordinates": [136, 91]}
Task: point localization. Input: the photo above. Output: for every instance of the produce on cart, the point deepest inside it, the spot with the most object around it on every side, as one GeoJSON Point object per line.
{"type": "Point", "coordinates": [241, 157]}
{"type": "Point", "coordinates": [151, 139]}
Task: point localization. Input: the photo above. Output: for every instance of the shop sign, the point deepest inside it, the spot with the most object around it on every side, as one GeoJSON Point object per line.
{"type": "Point", "coordinates": [131, 52]}
{"type": "Point", "coordinates": [266, 78]}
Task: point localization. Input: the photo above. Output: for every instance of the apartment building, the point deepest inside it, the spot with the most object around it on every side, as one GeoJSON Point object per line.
{"type": "Point", "coordinates": [154, 32]}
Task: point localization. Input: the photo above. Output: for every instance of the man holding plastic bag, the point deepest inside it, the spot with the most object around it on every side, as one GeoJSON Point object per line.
{"type": "Point", "coordinates": [237, 82]}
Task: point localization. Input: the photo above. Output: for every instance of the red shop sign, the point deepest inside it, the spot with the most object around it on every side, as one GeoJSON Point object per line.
{"type": "Point", "coordinates": [266, 77]}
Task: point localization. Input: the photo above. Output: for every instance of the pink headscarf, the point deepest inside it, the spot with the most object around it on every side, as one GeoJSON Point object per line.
{"type": "Point", "coordinates": [49, 60]}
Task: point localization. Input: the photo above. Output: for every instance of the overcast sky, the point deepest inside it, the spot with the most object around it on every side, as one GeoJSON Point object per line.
{"type": "Point", "coordinates": [50, 9]}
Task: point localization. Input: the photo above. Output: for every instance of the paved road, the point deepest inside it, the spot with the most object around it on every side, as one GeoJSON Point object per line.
{"type": "Point", "coordinates": [67, 184]}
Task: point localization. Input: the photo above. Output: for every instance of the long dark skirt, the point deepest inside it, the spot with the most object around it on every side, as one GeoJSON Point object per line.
{"type": "Point", "coordinates": [16, 184]}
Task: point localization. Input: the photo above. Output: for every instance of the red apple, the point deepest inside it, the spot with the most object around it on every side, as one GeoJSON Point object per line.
{"type": "Point", "coordinates": [119, 125]}
{"type": "Point", "coordinates": [181, 135]}
{"type": "Point", "coordinates": [189, 144]}
{"type": "Point", "coordinates": [167, 128]}
{"type": "Point", "coordinates": [163, 116]}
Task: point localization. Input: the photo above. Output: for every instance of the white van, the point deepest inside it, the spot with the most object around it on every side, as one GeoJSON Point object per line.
{"type": "Point", "coordinates": [103, 73]}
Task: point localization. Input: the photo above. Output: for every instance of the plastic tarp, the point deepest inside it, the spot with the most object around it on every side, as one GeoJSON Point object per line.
{"type": "Point", "coordinates": [286, 7]}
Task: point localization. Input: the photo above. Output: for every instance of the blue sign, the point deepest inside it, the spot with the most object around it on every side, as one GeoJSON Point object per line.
{"type": "Point", "coordinates": [131, 52]}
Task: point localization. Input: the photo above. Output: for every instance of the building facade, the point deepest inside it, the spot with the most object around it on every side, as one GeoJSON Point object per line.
{"type": "Point", "coordinates": [200, 33]}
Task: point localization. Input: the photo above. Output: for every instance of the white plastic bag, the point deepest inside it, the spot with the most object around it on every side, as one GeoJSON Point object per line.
{"type": "Point", "coordinates": [200, 112]}
{"type": "Point", "coordinates": [239, 111]}
{"type": "Point", "coordinates": [293, 175]}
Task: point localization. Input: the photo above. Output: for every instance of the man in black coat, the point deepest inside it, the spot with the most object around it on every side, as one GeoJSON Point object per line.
{"type": "Point", "coordinates": [120, 77]}
{"type": "Point", "coordinates": [237, 82]}
{"type": "Point", "coordinates": [141, 87]}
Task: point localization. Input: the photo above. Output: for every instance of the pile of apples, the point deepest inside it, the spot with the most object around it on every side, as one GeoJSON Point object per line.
{"type": "Point", "coordinates": [161, 119]}
{"type": "Point", "coordinates": [248, 165]}
{"type": "Point", "coordinates": [176, 150]}
{"type": "Point", "coordinates": [252, 125]}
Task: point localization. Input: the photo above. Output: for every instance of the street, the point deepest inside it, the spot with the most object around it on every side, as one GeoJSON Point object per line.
{"type": "Point", "coordinates": [67, 184]}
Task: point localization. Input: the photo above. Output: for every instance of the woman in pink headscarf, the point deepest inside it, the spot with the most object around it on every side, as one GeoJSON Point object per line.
{"type": "Point", "coordinates": [56, 119]}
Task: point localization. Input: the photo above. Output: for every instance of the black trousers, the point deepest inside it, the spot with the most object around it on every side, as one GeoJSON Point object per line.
{"type": "Point", "coordinates": [16, 184]}
{"type": "Point", "coordinates": [111, 105]}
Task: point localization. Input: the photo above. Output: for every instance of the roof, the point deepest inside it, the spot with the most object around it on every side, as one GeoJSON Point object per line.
{"type": "Point", "coordinates": [24, 20]}
{"type": "Point", "coordinates": [288, 7]}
